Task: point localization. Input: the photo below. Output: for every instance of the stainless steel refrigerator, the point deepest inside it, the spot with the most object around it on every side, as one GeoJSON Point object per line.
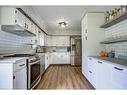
{"type": "Point", "coordinates": [76, 53]}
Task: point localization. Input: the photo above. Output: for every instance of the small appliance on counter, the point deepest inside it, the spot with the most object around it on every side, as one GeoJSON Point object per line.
{"type": "Point", "coordinates": [104, 54]}
{"type": "Point", "coordinates": [111, 54]}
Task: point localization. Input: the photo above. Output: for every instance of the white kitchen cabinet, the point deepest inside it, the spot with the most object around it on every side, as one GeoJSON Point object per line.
{"type": "Point", "coordinates": [103, 71]}
{"type": "Point", "coordinates": [59, 41]}
{"type": "Point", "coordinates": [45, 40]}
{"type": "Point", "coordinates": [28, 24]}
{"type": "Point", "coordinates": [40, 38]}
{"type": "Point", "coordinates": [19, 18]}
{"type": "Point", "coordinates": [106, 75]}
{"type": "Point", "coordinates": [19, 79]}
{"type": "Point", "coordinates": [47, 60]}
{"type": "Point", "coordinates": [60, 58]}
{"type": "Point", "coordinates": [92, 34]}
{"type": "Point", "coordinates": [118, 77]}
{"type": "Point", "coordinates": [6, 73]}
{"type": "Point", "coordinates": [13, 73]}
{"type": "Point", "coordinates": [91, 70]}
{"type": "Point", "coordinates": [13, 21]}
{"type": "Point", "coordinates": [11, 16]}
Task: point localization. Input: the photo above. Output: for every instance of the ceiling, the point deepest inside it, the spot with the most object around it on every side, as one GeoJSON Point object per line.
{"type": "Point", "coordinates": [71, 14]}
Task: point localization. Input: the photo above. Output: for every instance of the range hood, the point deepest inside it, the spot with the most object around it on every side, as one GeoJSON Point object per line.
{"type": "Point", "coordinates": [17, 30]}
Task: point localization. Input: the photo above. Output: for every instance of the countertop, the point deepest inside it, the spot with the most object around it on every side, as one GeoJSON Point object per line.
{"type": "Point", "coordinates": [12, 59]}
{"type": "Point", "coordinates": [112, 60]}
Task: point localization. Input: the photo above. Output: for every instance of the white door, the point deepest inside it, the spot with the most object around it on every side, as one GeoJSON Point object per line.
{"type": "Point", "coordinates": [20, 79]}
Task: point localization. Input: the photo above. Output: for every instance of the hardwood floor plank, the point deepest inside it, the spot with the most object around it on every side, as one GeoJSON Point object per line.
{"type": "Point", "coordinates": [63, 77]}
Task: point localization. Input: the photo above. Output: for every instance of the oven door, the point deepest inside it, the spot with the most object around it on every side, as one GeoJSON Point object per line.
{"type": "Point", "coordinates": [34, 73]}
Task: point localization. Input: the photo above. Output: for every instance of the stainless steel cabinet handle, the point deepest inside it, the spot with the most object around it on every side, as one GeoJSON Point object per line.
{"type": "Point", "coordinates": [100, 62]}
{"type": "Point", "coordinates": [86, 30]}
{"type": "Point", "coordinates": [22, 65]}
{"type": "Point", "coordinates": [25, 25]}
{"type": "Point", "coordinates": [86, 37]}
{"type": "Point", "coordinates": [118, 68]}
{"type": "Point", "coordinates": [90, 58]}
{"type": "Point", "coordinates": [90, 72]}
{"type": "Point", "coordinates": [13, 77]}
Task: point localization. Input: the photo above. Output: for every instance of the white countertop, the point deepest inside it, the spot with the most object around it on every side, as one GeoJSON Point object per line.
{"type": "Point", "coordinates": [12, 59]}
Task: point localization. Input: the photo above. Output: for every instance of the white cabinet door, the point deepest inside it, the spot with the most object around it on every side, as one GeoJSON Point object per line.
{"type": "Point", "coordinates": [6, 73]}
{"type": "Point", "coordinates": [41, 38]}
{"type": "Point", "coordinates": [47, 61]}
{"type": "Point", "coordinates": [19, 18]}
{"type": "Point", "coordinates": [33, 28]}
{"type": "Point", "coordinates": [92, 71]}
{"type": "Point", "coordinates": [60, 58]}
{"type": "Point", "coordinates": [84, 48]}
{"type": "Point", "coordinates": [20, 79]}
{"type": "Point", "coordinates": [103, 71]}
{"type": "Point", "coordinates": [60, 41]}
{"type": "Point", "coordinates": [27, 24]}
{"type": "Point", "coordinates": [118, 77]}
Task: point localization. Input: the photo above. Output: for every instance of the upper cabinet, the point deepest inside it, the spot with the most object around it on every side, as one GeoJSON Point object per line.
{"type": "Point", "coordinates": [15, 22]}
{"type": "Point", "coordinates": [18, 19]}
{"type": "Point", "coordinates": [40, 38]}
{"type": "Point", "coordinates": [59, 41]}
{"type": "Point", "coordinates": [92, 34]}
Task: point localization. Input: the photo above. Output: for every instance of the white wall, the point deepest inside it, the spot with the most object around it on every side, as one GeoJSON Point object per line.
{"type": "Point", "coordinates": [116, 31]}
{"type": "Point", "coordinates": [10, 43]}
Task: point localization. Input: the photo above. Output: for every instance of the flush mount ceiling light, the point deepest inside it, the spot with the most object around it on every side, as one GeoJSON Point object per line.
{"type": "Point", "coordinates": [62, 24]}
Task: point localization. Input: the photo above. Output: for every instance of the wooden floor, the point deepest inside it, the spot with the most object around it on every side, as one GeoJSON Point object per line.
{"type": "Point", "coordinates": [63, 77]}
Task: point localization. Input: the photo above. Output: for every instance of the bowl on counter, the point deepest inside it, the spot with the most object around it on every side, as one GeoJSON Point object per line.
{"type": "Point", "coordinates": [104, 54]}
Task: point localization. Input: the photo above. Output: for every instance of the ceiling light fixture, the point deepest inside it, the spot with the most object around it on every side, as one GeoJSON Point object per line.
{"type": "Point", "coordinates": [62, 24]}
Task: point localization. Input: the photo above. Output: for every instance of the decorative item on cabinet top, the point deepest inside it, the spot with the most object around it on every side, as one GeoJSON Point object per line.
{"type": "Point", "coordinates": [115, 16]}
{"type": "Point", "coordinates": [16, 21]}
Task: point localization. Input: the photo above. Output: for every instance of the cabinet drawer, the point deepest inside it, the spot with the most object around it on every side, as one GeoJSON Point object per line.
{"type": "Point", "coordinates": [119, 77]}
{"type": "Point", "coordinates": [19, 65]}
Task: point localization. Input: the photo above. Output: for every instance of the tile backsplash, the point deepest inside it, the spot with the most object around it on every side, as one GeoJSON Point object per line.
{"type": "Point", "coordinates": [10, 43]}
{"type": "Point", "coordinates": [117, 31]}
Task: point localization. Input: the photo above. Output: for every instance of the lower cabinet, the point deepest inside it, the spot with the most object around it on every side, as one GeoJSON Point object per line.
{"type": "Point", "coordinates": [118, 77]}
{"type": "Point", "coordinates": [105, 75]}
{"type": "Point", "coordinates": [103, 71]}
{"type": "Point", "coordinates": [13, 74]}
{"type": "Point", "coordinates": [60, 58]}
{"type": "Point", "coordinates": [19, 79]}
{"type": "Point", "coordinates": [91, 71]}
{"type": "Point", "coordinates": [47, 61]}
